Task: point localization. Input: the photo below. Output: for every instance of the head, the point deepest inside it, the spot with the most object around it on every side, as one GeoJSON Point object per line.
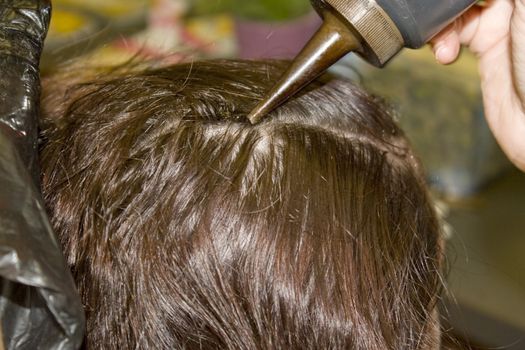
{"type": "Point", "coordinates": [187, 227]}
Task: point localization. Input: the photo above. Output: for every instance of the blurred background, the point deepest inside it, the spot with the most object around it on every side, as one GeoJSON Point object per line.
{"type": "Point", "coordinates": [481, 195]}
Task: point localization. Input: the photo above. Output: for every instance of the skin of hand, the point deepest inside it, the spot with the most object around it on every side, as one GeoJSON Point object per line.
{"type": "Point", "coordinates": [495, 32]}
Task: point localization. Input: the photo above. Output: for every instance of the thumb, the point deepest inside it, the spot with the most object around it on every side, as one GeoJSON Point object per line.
{"type": "Point", "coordinates": [517, 34]}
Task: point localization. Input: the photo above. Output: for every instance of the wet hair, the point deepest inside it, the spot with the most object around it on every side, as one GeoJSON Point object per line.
{"type": "Point", "coordinates": [186, 227]}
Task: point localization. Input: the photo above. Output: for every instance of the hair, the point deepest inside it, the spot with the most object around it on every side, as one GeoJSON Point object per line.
{"type": "Point", "coordinates": [186, 227]}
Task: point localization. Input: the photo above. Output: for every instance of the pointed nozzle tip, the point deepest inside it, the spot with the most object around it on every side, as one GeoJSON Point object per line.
{"type": "Point", "coordinates": [260, 111]}
{"type": "Point", "coordinates": [332, 41]}
{"type": "Point", "coordinates": [255, 117]}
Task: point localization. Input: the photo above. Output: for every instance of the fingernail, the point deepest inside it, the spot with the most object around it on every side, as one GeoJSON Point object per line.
{"type": "Point", "coordinates": [442, 53]}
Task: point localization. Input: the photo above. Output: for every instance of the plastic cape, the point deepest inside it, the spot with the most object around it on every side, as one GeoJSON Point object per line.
{"type": "Point", "coordinates": [39, 306]}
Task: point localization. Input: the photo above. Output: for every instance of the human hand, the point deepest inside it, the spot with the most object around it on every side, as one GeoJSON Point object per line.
{"type": "Point", "coordinates": [495, 32]}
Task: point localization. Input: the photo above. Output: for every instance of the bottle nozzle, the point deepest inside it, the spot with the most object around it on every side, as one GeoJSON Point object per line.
{"type": "Point", "coordinates": [333, 40]}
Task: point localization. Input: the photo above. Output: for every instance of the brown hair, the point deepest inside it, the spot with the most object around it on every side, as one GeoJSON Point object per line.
{"type": "Point", "coordinates": [187, 227]}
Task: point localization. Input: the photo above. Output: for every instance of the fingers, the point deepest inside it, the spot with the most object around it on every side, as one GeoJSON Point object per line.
{"type": "Point", "coordinates": [446, 45]}
{"type": "Point", "coordinates": [470, 25]}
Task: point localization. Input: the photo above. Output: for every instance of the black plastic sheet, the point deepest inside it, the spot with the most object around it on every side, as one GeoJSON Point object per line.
{"type": "Point", "coordinates": [39, 306]}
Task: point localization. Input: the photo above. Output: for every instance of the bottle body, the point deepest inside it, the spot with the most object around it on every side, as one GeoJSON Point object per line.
{"type": "Point", "coordinates": [419, 20]}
